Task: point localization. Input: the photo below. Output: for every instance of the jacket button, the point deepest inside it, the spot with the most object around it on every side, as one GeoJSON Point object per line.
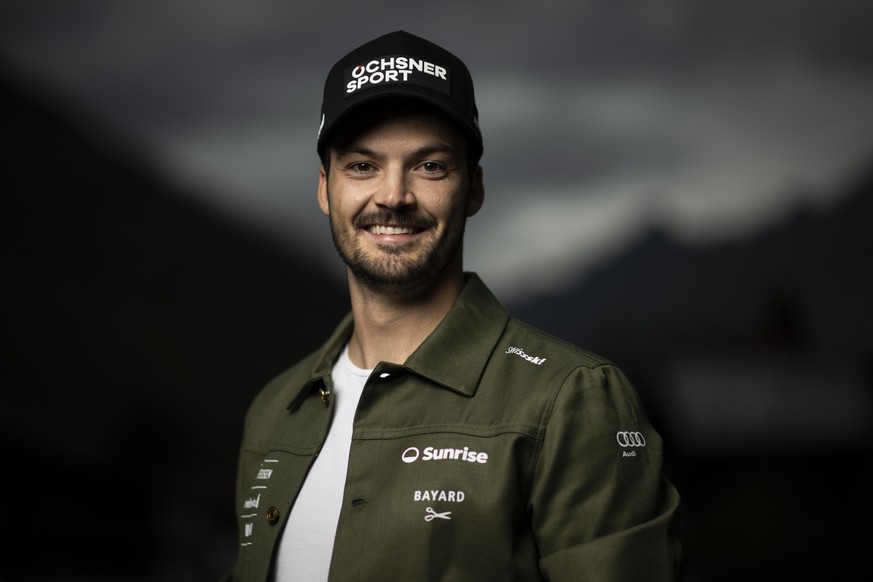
{"type": "Point", "coordinates": [273, 514]}
{"type": "Point", "coordinates": [325, 396]}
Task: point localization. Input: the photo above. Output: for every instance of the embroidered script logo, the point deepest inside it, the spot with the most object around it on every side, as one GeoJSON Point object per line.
{"type": "Point", "coordinates": [520, 353]}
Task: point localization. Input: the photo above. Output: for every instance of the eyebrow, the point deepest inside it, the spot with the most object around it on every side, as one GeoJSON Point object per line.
{"type": "Point", "coordinates": [421, 152]}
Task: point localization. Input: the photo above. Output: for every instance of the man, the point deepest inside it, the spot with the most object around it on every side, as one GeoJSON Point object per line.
{"type": "Point", "coordinates": [433, 437]}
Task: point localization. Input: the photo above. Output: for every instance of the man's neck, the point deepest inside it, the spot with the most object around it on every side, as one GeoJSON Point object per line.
{"type": "Point", "coordinates": [390, 326]}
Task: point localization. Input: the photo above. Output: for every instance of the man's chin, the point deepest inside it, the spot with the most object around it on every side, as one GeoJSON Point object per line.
{"type": "Point", "coordinates": [391, 271]}
{"type": "Point", "coordinates": [387, 278]}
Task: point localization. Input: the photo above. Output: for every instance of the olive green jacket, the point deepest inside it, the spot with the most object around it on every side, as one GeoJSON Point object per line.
{"type": "Point", "coordinates": [495, 452]}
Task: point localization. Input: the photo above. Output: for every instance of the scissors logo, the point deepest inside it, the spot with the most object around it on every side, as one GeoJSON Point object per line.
{"type": "Point", "coordinates": [433, 515]}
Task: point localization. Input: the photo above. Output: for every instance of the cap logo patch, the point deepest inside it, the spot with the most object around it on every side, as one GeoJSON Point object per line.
{"type": "Point", "coordinates": [398, 69]}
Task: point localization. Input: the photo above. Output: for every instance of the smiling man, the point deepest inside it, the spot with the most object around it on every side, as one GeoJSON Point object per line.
{"type": "Point", "coordinates": [398, 189]}
{"type": "Point", "coordinates": [433, 436]}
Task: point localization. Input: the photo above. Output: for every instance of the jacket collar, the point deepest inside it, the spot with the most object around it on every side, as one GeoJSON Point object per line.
{"type": "Point", "coordinates": [456, 353]}
{"type": "Point", "coordinates": [477, 317]}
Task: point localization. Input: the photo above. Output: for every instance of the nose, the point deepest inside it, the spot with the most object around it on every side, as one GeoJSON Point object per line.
{"type": "Point", "coordinates": [395, 190]}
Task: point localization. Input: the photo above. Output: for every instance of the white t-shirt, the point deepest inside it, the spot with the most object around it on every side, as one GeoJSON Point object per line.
{"type": "Point", "coordinates": [306, 545]}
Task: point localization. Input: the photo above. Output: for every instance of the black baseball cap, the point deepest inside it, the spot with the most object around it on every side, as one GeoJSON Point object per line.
{"type": "Point", "coordinates": [400, 64]}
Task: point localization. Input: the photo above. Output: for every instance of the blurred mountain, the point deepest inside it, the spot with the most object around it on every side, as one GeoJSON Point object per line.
{"type": "Point", "coordinates": [137, 326]}
{"type": "Point", "coordinates": [796, 295]}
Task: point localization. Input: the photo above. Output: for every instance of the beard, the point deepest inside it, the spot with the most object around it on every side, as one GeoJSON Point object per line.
{"type": "Point", "coordinates": [397, 266]}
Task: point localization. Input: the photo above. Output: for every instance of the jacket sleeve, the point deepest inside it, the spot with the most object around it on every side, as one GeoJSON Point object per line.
{"type": "Point", "coordinates": [600, 506]}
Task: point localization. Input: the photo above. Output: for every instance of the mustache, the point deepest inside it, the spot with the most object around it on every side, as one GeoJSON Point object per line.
{"type": "Point", "coordinates": [386, 216]}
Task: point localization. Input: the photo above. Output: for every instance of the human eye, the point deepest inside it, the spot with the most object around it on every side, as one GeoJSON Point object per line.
{"type": "Point", "coordinates": [433, 169]}
{"type": "Point", "coordinates": [360, 168]}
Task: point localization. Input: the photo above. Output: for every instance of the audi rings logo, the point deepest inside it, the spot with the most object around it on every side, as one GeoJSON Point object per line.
{"type": "Point", "coordinates": [629, 438]}
{"type": "Point", "coordinates": [410, 455]}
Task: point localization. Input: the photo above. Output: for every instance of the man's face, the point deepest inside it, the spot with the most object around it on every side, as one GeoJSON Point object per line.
{"type": "Point", "coordinates": [398, 194]}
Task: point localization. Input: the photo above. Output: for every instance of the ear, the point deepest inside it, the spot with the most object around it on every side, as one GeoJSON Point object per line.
{"type": "Point", "coordinates": [477, 192]}
{"type": "Point", "coordinates": [323, 201]}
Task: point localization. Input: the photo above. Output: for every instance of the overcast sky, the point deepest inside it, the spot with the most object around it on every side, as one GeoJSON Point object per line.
{"type": "Point", "coordinates": [708, 118]}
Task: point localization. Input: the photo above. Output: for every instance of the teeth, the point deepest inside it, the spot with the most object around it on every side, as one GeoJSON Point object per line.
{"type": "Point", "coordinates": [378, 229]}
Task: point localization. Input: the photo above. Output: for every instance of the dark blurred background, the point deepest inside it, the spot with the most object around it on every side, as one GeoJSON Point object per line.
{"type": "Point", "coordinates": [686, 189]}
